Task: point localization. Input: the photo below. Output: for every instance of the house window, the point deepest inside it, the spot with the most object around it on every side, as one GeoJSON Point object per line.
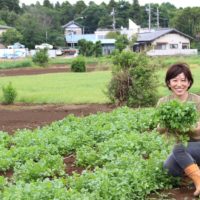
{"type": "Point", "coordinates": [173, 46]}
{"type": "Point", "coordinates": [185, 46]}
{"type": "Point", "coordinates": [161, 46]}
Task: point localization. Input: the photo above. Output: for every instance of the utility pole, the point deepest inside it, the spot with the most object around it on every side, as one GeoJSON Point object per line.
{"type": "Point", "coordinates": [149, 17]}
{"type": "Point", "coordinates": [46, 36]}
{"type": "Point", "coordinates": [158, 18]}
{"type": "Point", "coordinates": [113, 15]}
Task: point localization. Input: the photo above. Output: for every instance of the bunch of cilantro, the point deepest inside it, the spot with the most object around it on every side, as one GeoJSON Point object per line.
{"type": "Point", "coordinates": [178, 118]}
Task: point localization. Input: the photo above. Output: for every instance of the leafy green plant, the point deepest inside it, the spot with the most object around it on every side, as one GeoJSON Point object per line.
{"type": "Point", "coordinates": [41, 57]}
{"type": "Point", "coordinates": [134, 80]}
{"type": "Point", "coordinates": [178, 118]}
{"type": "Point", "coordinates": [121, 159]}
{"type": "Point", "coordinates": [9, 94]}
{"type": "Point", "coordinates": [78, 65]}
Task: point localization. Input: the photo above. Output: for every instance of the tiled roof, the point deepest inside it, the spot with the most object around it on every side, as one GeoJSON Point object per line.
{"type": "Point", "coordinates": [71, 23]}
{"type": "Point", "coordinates": [150, 36]}
{"type": "Point", "coordinates": [5, 27]}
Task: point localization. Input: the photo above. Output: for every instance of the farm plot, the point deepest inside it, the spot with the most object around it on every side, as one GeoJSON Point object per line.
{"type": "Point", "coordinates": [115, 155]}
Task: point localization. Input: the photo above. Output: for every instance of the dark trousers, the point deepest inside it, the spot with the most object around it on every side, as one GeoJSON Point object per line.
{"type": "Point", "coordinates": [181, 157]}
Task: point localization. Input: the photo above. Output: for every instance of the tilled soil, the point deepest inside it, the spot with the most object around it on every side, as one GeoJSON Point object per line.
{"type": "Point", "coordinates": [19, 116]}
{"type": "Point", "coordinates": [44, 70]}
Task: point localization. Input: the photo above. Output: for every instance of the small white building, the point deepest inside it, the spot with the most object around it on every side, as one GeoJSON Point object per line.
{"type": "Point", "coordinates": [164, 42]}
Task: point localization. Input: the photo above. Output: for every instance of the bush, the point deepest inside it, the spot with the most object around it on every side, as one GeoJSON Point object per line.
{"type": "Point", "coordinates": [9, 94]}
{"type": "Point", "coordinates": [119, 86]}
{"type": "Point", "coordinates": [134, 81]}
{"type": "Point", "coordinates": [41, 57]}
{"type": "Point", "coordinates": [78, 65]}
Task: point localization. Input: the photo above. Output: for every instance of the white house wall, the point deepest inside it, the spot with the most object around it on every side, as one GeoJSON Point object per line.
{"type": "Point", "coordinates": [172, 38]}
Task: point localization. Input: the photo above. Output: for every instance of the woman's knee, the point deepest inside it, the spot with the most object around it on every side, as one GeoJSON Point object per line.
{"type": "Point", "coordinates": [172, 168]}
{"type": "Point", "coordinates": [178, 149]}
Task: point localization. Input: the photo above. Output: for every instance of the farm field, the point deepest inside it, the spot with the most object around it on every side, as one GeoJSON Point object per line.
{"type": "Point", "coordinates": [122, 130]}
{"type": "Point", "coordinates": [115, 155]}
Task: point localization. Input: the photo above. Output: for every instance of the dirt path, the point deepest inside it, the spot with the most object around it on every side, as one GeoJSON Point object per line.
{"type": "Point", "coordinates": [18, 116]}
{"type": "Point", "coordinates": [43, 70]}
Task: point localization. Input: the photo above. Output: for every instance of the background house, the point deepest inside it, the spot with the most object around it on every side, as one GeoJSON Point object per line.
{"type": "Point", "coordinates": [74, 32]}
{"type": "Point", "coordinates": [164, 42]}
{"type": "Point", "coordinates": [155, 42]}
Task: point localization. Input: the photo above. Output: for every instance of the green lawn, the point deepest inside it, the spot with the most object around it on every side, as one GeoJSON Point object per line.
{"type": "Point", "coordinates": [60, 87]}
{"type": "Point", "coordinates": [75, 87]}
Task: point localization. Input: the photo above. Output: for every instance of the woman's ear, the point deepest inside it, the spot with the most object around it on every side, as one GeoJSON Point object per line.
{"type": "Point", "coordinates": [168, 85]}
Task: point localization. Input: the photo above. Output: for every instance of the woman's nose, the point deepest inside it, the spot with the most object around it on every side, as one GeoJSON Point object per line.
{"type": "Point", "coordinates": [179, 83]}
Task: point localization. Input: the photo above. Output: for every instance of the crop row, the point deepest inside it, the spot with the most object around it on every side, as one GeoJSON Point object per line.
{"type": "Point", "coordinates": [120, 151]}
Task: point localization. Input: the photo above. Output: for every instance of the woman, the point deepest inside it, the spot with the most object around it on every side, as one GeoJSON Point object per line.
{"type": "Point", "coordinates": [183, 160]}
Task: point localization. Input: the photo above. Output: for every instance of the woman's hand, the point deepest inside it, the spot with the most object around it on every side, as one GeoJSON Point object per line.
{"type": "Point", "coordinates": [195, 133]}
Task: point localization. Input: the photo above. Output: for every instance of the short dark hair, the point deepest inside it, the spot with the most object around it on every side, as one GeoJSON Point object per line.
{"type": "Point", "coordinates": [177, 69]}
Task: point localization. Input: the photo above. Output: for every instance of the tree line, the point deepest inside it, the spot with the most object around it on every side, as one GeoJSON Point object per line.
{"type": "Point", "coordinates": [37, 23]}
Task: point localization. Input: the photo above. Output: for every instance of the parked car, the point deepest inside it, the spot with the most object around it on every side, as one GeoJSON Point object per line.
{"type": "Point", "coordinates": [44, 46]}
{"type": "Point", "coordinates": [59, 52]}
{"type": "Point", "coordinates": [16, 45]}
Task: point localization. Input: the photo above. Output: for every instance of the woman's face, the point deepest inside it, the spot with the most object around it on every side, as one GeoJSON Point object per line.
{"type": "Point", "coordinates": [179, 85]}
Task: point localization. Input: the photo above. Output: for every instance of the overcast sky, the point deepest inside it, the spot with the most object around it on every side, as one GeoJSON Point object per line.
{"type": "Point", "coordinates": [177, 3]}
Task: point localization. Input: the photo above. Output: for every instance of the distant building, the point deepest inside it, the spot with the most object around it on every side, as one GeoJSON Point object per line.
{"type": "Point", "coordinates": [4, 28]}
{"type": "Point", "coordinates": [75, 32]}
{"type": "Point", "coordinates": [73, 28]}
{"type": "Point", "coordinates": [164, 42]}
{"type": "Point", "coordinates": [160, 42]}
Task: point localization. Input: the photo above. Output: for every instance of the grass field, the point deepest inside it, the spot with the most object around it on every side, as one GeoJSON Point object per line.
{"type": "Point", "coordinates": [60, 87]}
{"type": "Point", "coordinates": [78, 87]}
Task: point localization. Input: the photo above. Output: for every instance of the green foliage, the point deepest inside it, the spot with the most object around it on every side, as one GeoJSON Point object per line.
{"type": "Point", "coordinates": [107, 143]}
{"type": "Point", "coordinates": [11, 36]}
{"type": "Point", "coordinates": [78, 65]}
{"type": "Point", "coordinates": [16, 64]}
{"type": "Point", "coordinates": [134, 81]}
{"type": "Point", "coordinates": [9, 94]}
{"type": "Point", "coordinates": [87, 48]}
{"type": "Point", "coordinates": [112, 35]}
{"type": "Point", "coordinates": [41, 57]}
{"type": "Point", "coordinates": [121, 42]}
{"type": "Point", "coordinates": [178, 117]}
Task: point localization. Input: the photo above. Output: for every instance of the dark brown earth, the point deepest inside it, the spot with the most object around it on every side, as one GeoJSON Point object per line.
{"type": "Point", "coordinates": [43, 70]}
{"type": "Point", "coordinates": [19, 116]}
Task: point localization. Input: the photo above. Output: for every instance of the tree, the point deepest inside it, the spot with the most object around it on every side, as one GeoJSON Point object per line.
{"type": "Point", "coordinates": [9, 17]}
{"type": "Point", "coordinates": [121, 42]}
{"type": "Point", "coordinates": [79, 7]}
{"type": "Point", "coordinates": [11, 5]}
{"type": "Point", "coordinates": [97, 49]}
{"type": "Point", "coordinates": [113, 35]}
{"type": "Point", "coordinates": [133, 82]}
{"type": "Point", "coordinates": [122, 14]}
{"type": "Point", "coordinates": [11, 36]}
{"type": "Point", "coordinates": [31, 30]}
{"type": "Point", "coordinates": [66, 12]}
{"type": "Point", "coordinates": [44, 28]}
{"type": "Point", "coordinates": [188, 21]}
{"type": "Point", "coordinates": [46, 3]}
{"type": "Point", "coordinates": [87, 48]}
{"type": "Point", "coordinates": [135, 12]}
{"type": "Point", "coordinates": [92, 15]}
